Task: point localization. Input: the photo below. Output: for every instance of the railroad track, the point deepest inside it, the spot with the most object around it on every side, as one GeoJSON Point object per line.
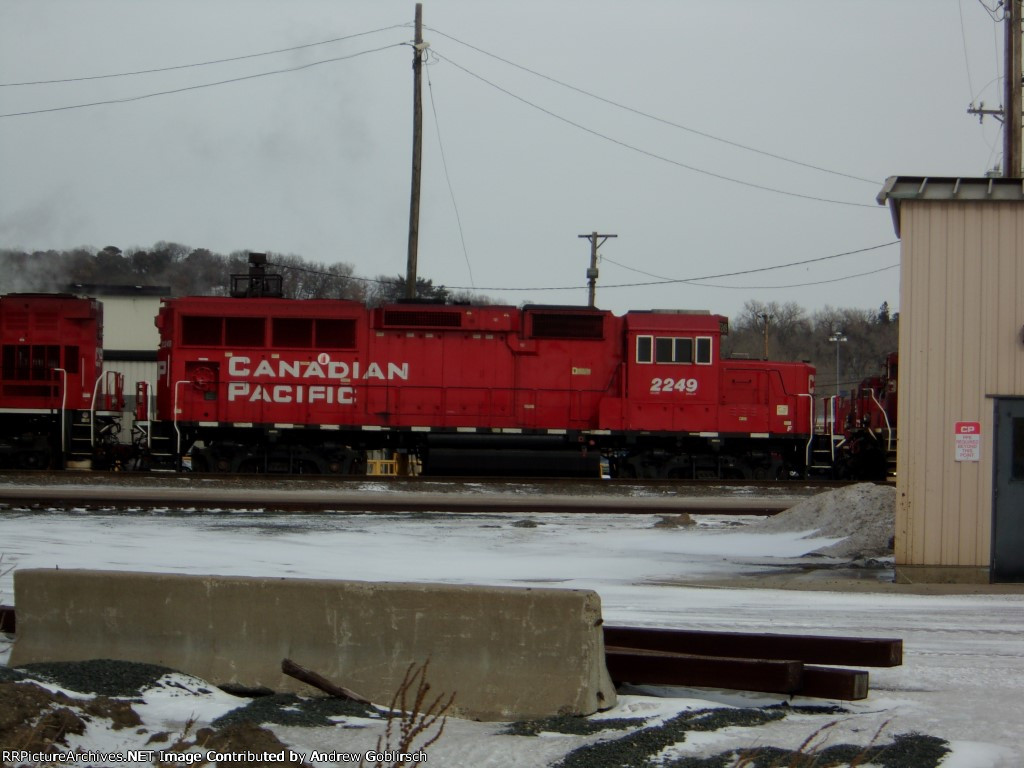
{"type": "Point", "coordinates": [63, 490]}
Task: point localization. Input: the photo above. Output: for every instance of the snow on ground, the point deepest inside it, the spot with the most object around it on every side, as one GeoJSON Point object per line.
{"type": "Point", "coordinates": [963, 653]}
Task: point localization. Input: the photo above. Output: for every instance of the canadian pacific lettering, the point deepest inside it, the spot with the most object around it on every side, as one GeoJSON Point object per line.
{"type": "Point", "coordinates": [241, 366]}
{"type": "Point", "coordinates": [299, 375]}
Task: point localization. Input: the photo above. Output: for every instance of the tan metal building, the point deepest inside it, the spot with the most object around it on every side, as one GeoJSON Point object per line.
{"type": "Point", "coordinates": [130, 336]}
{"type": "Point", "coordinates": [960, 465]}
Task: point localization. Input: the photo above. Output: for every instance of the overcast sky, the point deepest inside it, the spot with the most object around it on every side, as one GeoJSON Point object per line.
{"type": "Point", "coordinates": [316, 162]}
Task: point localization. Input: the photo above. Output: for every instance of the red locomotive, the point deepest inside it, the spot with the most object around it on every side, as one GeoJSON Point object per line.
{"type": "Point", "coordinates": [55, 403]}
{"type": "Point", "coordinates": [270, 384]}
{"type": "Point", "coordinates": [863, 427]}
{"type": "Point", "coordinates": [258, 383]}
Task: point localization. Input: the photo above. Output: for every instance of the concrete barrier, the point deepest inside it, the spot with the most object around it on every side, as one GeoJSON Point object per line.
{"type": "Point", "coordinates": [507, 653]}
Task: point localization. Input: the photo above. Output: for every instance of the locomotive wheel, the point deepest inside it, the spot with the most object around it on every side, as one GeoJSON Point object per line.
{"type": "Point", "coordinates": [249, 467]}
{"type": "Point", "coordinates": [33, 460]}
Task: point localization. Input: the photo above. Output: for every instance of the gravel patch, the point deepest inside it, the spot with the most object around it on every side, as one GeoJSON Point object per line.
{"type": "Point", "coordinates": [642, 748]}
{"type": "Point", "coordinates": [290, 709]}
{"type": "Point", "coordinates": [576, 726]}
{"type": "Point", "coordinates": [103, 677]}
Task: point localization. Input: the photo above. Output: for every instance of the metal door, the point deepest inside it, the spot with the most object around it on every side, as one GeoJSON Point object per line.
{"type": "Point", "coordinates": [1008, 504]}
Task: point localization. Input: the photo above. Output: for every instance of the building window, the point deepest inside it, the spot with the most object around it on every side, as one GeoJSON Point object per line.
{"type": "Point", "coordinates": [1018, 450]}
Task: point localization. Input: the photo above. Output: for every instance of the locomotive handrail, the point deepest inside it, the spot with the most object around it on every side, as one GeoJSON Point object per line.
{"type": "Point", "coordinates": [92, 412]}
{"type": "Point", "coordinates": [810, 436]}
{"type": "Point", "coordinates": [177, 431]}
{"type": "Point", "coordinates": [63, 408]}
{"type": "Point", "coordinates": [888, 426]}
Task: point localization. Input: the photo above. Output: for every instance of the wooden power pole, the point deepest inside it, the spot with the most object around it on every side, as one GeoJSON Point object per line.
{"type": "Point", "coordinates": [1012, 98]}
{"type": "Point", "coordinates": [417, 155]}
{"type": "Point", "coordinates": [592, 272]}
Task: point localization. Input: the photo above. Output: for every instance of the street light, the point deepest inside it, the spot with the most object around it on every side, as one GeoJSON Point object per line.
{"type": "Point", "coordinates": [838, 338]}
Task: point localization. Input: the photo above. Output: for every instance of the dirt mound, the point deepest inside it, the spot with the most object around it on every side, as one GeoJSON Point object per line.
{"type": "Point", "coordinates": [261, 746]}
{"type": "Point", "coordinates": [33, 718]}
{"type": "Point", "coordinates": [863, 516]}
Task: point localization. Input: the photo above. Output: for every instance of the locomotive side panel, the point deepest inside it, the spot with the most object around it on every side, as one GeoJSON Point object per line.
{"type": "Point", "coordinates": [51, 355]}
{"type": "Point", "coordinates": [765, 398]}
{"type": "Point", "coordinates": [249, 361]}
{"type": "Point", "coordinates": [459, 361]}
{"type": "Point", "coordinates": [672, 382]}
{"type": "Point", "coordinates": [41, 337]}
{"type": "Point", "coordinates": [568, 363]}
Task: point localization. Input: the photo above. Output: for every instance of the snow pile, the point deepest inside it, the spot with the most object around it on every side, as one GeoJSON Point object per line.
{"type": "Point", "coordinates": [862, 515]}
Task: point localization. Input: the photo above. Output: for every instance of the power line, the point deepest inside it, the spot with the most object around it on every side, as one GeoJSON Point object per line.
{"type": "Point", "coordinates": [993, 12]}
{"type": "Point", "coordinates": [963, 37]}
{"type": "Point", "coordinates": [447, 176]}
{"type": "Point", "coordinates": [765, 269]}
{"type": "Point", "coordinates": [792, 285]}
{"type": "Point", "coordinates": [655, 117]}
{"type": "Point", "coordinates": [670, 281]}
{"type": "Point", "coordinates": [321, 273]}
{"type": "Point", "coordinates": [660, 281]}
{"type": "Point", "coordinates": [128, 99]}
{"type": "Point", "coordinates": [201, 63]}
{"type": "Point", "coordinates": [654, 155]}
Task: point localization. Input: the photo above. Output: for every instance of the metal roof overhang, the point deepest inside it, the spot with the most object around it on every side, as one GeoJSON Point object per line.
{"type": "Point", "coordinates": [948, 189]}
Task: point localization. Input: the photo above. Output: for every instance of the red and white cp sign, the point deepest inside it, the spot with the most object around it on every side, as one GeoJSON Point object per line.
{"type": "Point", "coordinates": [967, 437]}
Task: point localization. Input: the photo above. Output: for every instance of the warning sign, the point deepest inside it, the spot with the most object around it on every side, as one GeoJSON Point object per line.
{"type": "Point", "coordinates": [967, 435]}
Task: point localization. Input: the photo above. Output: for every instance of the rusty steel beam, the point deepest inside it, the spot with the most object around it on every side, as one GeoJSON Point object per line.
{"type": "Point", "coordinates": [834, 683]}
{"type": "Point", "coordinates": [644, 667]}
{"type": "Point", "coordinates": [791, 678]}
{"type": "Point", "coordinates": [810, 649]}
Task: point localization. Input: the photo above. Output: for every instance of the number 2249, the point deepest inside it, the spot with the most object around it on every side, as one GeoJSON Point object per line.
{"type": "Point", "coordinates": [664, 386]}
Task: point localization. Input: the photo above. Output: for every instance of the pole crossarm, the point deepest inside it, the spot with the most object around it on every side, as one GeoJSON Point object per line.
{"type": "Point", "coordinates": [592, 271]}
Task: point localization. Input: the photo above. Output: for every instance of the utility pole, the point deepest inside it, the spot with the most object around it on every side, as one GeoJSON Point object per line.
{"type": "Point", "coordinates": [766, 317]}
{"type": "Point", "coordinates": [1010, 113]}
{"type": "Point", "coordinates": [837, 337]}
{"type": "Point", "coordinates": [592, 272]}
{"type": "Point", "coordinates": [417, 155]}
{"type": "Point", "coordinates": [1012, 99]}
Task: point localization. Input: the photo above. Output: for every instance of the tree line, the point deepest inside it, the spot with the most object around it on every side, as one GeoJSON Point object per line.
{"type": "Point", "coordinates": [200, 272]}
{"type": "Point", "coordinates": [860, 338]}
{"type": "Point", "coordinates": [785, 332]}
